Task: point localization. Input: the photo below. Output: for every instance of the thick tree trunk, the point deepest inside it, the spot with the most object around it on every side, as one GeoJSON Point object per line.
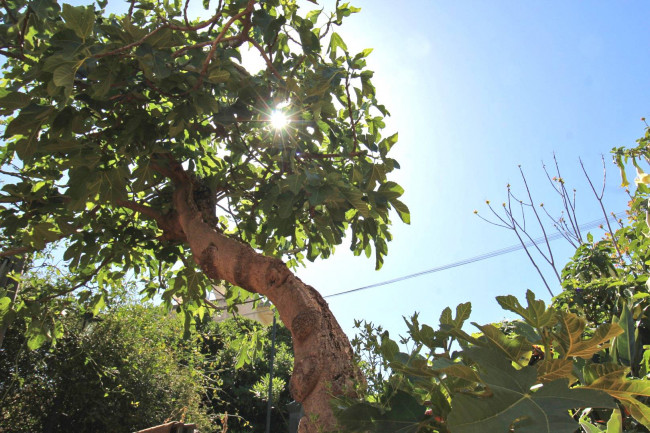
{"type": "Point", "coordinates": [323, 356]}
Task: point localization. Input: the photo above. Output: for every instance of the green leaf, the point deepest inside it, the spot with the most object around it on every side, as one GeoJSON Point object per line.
{"type": "Point", "coordinates": [389, 349]}
{"type": "Point", "coordinates": [591, 371]}
{"type": "Point", "coordinates": [623, 346]}
{"type": "Point", "coordinates": [36, 340]}
{"type": "Point", "coordinates": [98, 304]}
{"type": "Point", "coordinates": [549, 370]}
{"type": "Point", "coordinates": [619, 164]}
{"type": "Point", "coordinates": [14, 101]}
{"type": "Point", "coordinates": [510, 403]}
{"type": "Point", "coordinates": [63, 76]}
{"type": "Point", "coordinates": [615, 423]}
{"type": "Point", "coordinates": [336, 42]}
{"type": "Point", "coordinates": [445, 317]}
{"type": "Point", "coordinates": [590, 428]}
{"type": "Point", "coordinates": [455, 369]}
{"type": "Point", "coordinates": [36, 334]}
{"type": "Point", "coordinates": [626, 391]}
{"type": "Point", "coordinates": [535, 314]}
{"type": "Point", "coordinates": [81, 19]}
{"type": "Point", "coordinates": [5, 311]}
{"type": "Point", "coordinates": [355, 197]}
{"type": "Point", "coordinates": [570, 336]}
{"type": "Point", "coordinates": [463, 311]}
{"type": "Point", "coordinates": [402, 210]}
{"type": "Point", "coordinates": [357, 417]}
{"type": "Point", "coordinates": [218, 76]}
{"type": "Point", "coordinates": [514, 349]}
{"type": "Point", "coordinates": [295, 182]}
{"type": "Point", "coordinates": [41, 234]}
{"type": "Point", "coordinates": [403, 416]}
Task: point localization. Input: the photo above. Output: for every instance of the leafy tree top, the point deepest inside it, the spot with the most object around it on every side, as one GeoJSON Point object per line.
{"type": "Point", "coordinates": [102, 111]}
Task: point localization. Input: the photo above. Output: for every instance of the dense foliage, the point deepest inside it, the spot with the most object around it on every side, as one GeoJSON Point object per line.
{"type": "Point", "coordinates": [130, 368]}
{"type": "Point", "coordinates": [581, 363]}
{"type": "Point", "coordinates": [240, 388]}
{"type": "Point", "coordinates": [98, 106]}
{"type": "Point", "coordinates": [121, 371]}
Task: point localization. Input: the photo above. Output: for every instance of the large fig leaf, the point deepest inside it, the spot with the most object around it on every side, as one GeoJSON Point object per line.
{"type": "Point", "coordinates": [510, 405]}
{"type": "Point", "coordinates": [570, 336]}
{"type": "Point", "coordinates": [553, 369]}
{"type": "Point", "coordinates": [514, 349]}
{"type": "Point", "coordinates": [535, 315]}
{"type": "Point", "coordinates": [626, 390]}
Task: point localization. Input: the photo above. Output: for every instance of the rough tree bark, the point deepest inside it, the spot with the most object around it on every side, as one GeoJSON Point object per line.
{"type": "Point", "coordinates": [323, 363]}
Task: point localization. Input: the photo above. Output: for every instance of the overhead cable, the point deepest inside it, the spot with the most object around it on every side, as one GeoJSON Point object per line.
{"type": "Point", "coordinates": [586, 226]}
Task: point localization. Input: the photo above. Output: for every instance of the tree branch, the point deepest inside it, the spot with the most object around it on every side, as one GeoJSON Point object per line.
{"type": "Point", "coordinates": [330, 155]}
{"type": "Point", "coordinates": [14, 55]}
{"type": "Point", "coordinates": [602, 207]}
{"type": "Point", "coordinates": [352, 121]}
{"type": "Point", "coordinates": [268, 61]}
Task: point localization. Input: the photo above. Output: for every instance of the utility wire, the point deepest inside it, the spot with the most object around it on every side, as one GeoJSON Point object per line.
{"type": "Point", "coordinates": [506, 250]}
{"type": "Point", "coordinates": [586, 226]}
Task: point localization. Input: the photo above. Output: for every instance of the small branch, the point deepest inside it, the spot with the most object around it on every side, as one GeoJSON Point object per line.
{"type": "Point", "coordinates": [15, 251]}
{"type": "Point", "coordinates": [167, 223]}
{"type": "Point", "coordinates": [183, 50]}
{"type": "Point", "coordinates": [187, 22]}
{"type": "Point", "coordinates": [268, 61]}
{"type": "Point", "coordinates": [330, 155]}
{"type": "Point", "coordinates": [329, 23]}
{"type": "Point", "coordinates": [140, 208]}
{"type": "Point", "coordinates": [539, 221]}
{"type": "Point", "coordinates": [22, 250]}
{"type": "Point", "coordinates": [9, 12]}
{"type": "Point", "coordinates": [18, 175]}
{"type": "Point", "coordinates": [83, 282]}
{"type": "Point", "coordinates": [131, 45]}
{"type": "Point", "coordinates": [352, 121]}
{"type": "Point", "coordinates": [14, 55]}
{"type": "Point", "coordinates": [220, 36]}
{"type": "Point", "coordinates": [139, 42]}
{"type": "Point", "coordinates": [130, 14]}
{"type": "Point", "coordinates": [530, 257]}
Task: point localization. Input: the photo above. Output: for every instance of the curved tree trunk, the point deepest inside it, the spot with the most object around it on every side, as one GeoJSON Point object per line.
{"type": "Point", "coordinates": [323, 356]}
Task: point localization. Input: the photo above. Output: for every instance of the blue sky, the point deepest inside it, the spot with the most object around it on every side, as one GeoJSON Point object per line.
{"type": "Point", "coordinates": [475, 89]}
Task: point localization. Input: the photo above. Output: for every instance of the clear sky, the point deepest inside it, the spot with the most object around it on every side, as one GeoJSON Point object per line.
{"type": "Point", "coordinates": [476, 88]}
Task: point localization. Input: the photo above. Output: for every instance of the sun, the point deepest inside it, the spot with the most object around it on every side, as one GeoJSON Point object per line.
{"type": "Point", "coordinates": [278, 119]}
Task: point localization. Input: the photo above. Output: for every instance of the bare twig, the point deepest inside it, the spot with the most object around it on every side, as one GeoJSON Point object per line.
{"type": "Point", "coordinates": [530, 257]}
{"type": "Point", "coordinates": [539, 221]}
{"type": "Point", "coordinates": [602, 207]}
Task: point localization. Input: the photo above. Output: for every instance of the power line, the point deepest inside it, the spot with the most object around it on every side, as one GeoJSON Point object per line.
{"type": "Point", "coordinates": [489, 255]}
{"type": "Point", "coordinates": [552, 237]}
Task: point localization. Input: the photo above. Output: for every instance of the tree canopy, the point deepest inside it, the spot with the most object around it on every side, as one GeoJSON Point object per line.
{"type": "Point", "coordinates": [140, 143]}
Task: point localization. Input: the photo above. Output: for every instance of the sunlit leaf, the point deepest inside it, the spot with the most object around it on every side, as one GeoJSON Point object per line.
{"type": "Point", "coordinates": [510, 402]}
